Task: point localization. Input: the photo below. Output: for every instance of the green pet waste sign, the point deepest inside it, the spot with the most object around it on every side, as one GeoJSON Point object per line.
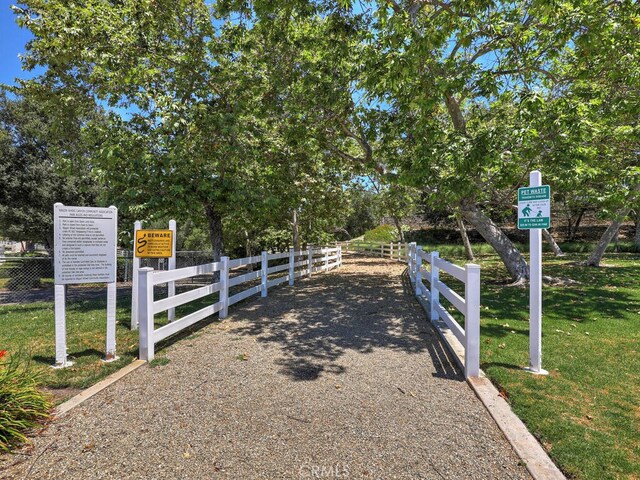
{"type": "Point", "coordinates": [534, 207]}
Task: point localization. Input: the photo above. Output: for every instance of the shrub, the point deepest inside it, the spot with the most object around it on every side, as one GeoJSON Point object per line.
{"type": "Point", "coordinates": [382, 233]}
{"type": "Point", "coordinates": [22, 405]}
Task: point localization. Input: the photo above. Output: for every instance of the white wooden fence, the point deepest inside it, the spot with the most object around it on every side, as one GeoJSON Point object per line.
{"type": "Point", "coordinates": [393, 251]}
{"type": "Point", "coordinates": [427, 267]}
{"type": "Point", "coordinates": [298, 264]}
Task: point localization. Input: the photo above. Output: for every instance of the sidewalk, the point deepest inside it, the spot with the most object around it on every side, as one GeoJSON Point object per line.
{"type": "Point", "coordinates": [340, 377]}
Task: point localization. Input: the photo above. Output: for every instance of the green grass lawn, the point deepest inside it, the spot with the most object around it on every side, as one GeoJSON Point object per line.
{"type": "Point", "coordinates": [28, 330]}
{"type": "Point", "coordinates": [587, 411]}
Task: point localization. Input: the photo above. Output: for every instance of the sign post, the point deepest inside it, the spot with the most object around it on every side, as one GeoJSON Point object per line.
{"type": "Point", "coordinates": [534, 214]}
{"type": "Point", "coordinates": [84, 252]}
{"type": "Point", "coordinates": [134, 279]}
{"type": "Point", "coordinates": [152, 244]}
{"type": "Point", "coordinates": [171, 286]}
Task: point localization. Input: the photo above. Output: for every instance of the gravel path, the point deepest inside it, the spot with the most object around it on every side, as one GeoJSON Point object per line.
{"type": "Point", "coordinates": [339, 377]}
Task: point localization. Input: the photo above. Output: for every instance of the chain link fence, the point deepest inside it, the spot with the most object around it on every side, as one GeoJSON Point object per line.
{"type": "Point", "coordinates": [31, 279]}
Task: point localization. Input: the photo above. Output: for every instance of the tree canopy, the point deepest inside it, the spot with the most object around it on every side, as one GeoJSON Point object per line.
{"type": "Point", "coordinates": [259, 114]}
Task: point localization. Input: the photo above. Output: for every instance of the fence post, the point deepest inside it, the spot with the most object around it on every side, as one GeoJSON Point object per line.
{"type": "Point", "coordinates": [339, 256]}
{"type": "Point", "coordinates": [391, 251]}
{"type": "Point", "coordinates": [472, 321]}
{"type": "Point", "coordinates": [61, 326]}
{"type": "Point", "coordinates": [110, 352]}
{"type": "Point", "coordinates": [310, 260]}
{"type": "Point", "coordinates": [224, 287]}
{"type": "Point", "coordinates": [145, 312]}
{"type": "Point", "coordinates": [412, 261]}
{"type": "Point", "coordinates": [435, 293]}
{"type": "Point", "coordinates": [134, 278]}
{"type": "Point", "coordinates": [265, 266]}
{"type": "Point", "coordinates": [326, 259]}
{"type": "Point", "coordinates": [291, 266]}
{"type": "Point", "coordinates": [418, 272]}
{"type": "Point", "coordinates": [171, 286]}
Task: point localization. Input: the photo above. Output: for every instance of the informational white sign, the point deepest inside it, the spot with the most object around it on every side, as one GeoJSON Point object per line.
{"type": "Point", "coordinates": [85, 244]}
{"type": "Point", "coordinates": [84, 240]}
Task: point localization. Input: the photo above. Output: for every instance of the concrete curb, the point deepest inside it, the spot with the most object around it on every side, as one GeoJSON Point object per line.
{"type": "Point", "coordinates": [538, 463]}
{"type": "Point", "coordinates": [98, 387]}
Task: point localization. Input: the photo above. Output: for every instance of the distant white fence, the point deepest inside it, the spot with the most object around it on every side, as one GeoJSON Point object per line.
{"type": "Point", "coordinates": [393, 251]}
{"type": "Point", "coordinates": [427, 267]}
{"type": "Point", "coordinates": [298, 264]}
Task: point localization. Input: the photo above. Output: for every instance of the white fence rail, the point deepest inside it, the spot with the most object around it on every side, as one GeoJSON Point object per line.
{"type": "Point", "coordinates": [427, 267]}
{"type": "Point", "coordinates": [298, 264]}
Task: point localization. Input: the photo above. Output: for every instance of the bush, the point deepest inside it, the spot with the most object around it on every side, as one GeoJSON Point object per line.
{"type": "Point", "coordinates": [382, 233]}
{"type": "Point", "coordinates": [22, 405]}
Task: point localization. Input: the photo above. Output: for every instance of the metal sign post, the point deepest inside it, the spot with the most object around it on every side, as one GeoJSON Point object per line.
{"type": "Point", "coordinates": [534, 207]}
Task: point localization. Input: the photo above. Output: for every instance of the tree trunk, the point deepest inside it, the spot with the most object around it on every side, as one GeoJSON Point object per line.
{"type": "Point", "coordinates": [214, 221]}
{"type": "Point", "coordinates": [295, 230]}
{"type": "Point", "coordinates": [612, 229]}
{"type": "Point", "coordinates": [636, 238]}
{"type": "Point", "coordinates": [510, 255]}
{"type": "Point", "coordinates": [605, 239]}
{"type": "Point", "coordinates": [465, 238]}
{"type": "Point", "coordinates": [247, 249]}
{"type": "Point", "coordinates": [574, 230]}
{"type": "Point", "coordinates": [398, 225]}
{"type": "Point", "coordinates": [49, 245]}
{"type": "Point", "coordinates": [557, 251]}
{"type": "Point", "coordinates": [569, 222]}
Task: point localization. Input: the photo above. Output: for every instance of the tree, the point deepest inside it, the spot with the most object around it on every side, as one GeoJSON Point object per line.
{"type": "Point", "coordinates": [395, 201]}
{"type": "Point", "coordinates": [428, 61]}
{"type": "Point", "coordinates": [595, 119]}
{"type": "Point", "coordinates": [214, 112]}
{"type": "Point", "coordinates": [181, 150]}
{"type": "Point", "coordinates": [363, 214]}
{"type": "Point", "coordinates": [40, 164]}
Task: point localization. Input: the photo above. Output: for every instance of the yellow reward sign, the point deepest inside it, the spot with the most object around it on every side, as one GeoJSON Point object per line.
{"type": "Point", "coordinates": [154, 244]}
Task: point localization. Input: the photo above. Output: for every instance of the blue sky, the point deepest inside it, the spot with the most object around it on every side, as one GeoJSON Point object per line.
{"type": "Point", "coordinates": [12, 43]}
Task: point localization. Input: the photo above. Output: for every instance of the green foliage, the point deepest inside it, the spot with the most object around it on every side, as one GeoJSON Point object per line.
{"type": "Point", "coordinates": [363, 212]}
{"type": "Point", "coordinates": [249, 113]}
{"type": "Point", "coordinates": [382, 233]}
{"type": "Point", "coordinates": [22, 405]}
{"type": "Point", "coordinates": [39, 155]}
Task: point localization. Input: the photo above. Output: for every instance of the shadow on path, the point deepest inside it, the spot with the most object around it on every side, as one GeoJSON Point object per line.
{"type": "Point", "coordinates": [365, 306]}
